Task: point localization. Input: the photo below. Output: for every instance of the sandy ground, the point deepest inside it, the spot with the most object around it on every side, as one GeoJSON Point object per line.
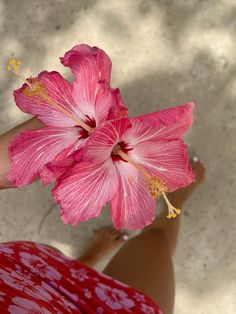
{"type": "Point", "coordinates": [164, 53]}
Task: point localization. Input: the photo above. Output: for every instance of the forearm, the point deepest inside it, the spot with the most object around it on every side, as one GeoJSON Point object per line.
{"type": "Point", "coordinates": [5, 140]}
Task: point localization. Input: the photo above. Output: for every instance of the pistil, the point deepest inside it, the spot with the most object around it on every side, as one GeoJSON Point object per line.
{"type": "Point", "coordinates": [156, 186]}
{"type": "Point", "coordinates": [14, 66]}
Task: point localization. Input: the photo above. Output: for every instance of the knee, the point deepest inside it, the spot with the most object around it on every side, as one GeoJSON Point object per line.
{"type": "Point", "coordinates": [160, 237]}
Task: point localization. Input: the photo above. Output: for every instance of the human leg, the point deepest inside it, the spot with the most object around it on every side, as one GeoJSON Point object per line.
{"type": "Point", "coordinates": [104, 240]}
{"type": "Point", "coordinates": [145, 261]}
{"type": "Point", "coordinates": [5, 140]}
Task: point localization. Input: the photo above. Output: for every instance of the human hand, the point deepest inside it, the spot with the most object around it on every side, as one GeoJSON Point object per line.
{"type": "Point", "coordinates": [5, 140]}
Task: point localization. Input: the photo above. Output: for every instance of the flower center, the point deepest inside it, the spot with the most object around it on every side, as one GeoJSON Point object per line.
{"type": "Point", "coordinates": [155, 186]}
{"type": "Point", "coordinates": [91, 123]}
{"type": "Point", "coordinates": [120, 146]}
{"type": "Point", "coordinates": [35, 87]}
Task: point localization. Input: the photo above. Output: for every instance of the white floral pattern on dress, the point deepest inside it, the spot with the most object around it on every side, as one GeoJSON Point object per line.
{"type": "Point", "coordinates": [50, 289]}
{"type": "Point", "coordinates": [147, 309]}
{"type": "Point", "coordinates": [54, 253]}
{"type": "Point", "coordinates": [81, 274]}
{"type": "Point", "coordinates": [139, 297]}
{"type": "Point", "coordinates": [71, 296]}
{"type": "Point", "coordinates": [25, 306]}
{"type": "Point", "coordinates": [23, 284]}
{"type": "Point", "coordinates": [87, 293]}
{"type": "Point", "coordinates": [5, 248]}
{"type": "Point", "coordinates": [67, 303]}
{"type": "Point", "coordinates": [23, 272]}
{"type": "Point", "coordinates": [35, 279]}
{"type": "Point", "coordinates": [113, 297]}
{"type": "Point", "coordinates": [39, 266]}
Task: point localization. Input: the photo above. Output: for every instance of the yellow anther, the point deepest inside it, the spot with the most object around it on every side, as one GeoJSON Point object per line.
{"type": "Point", "coordinates": [178, 211]}
{"type": "Point", "coordinates": [169, 216]}
{"type": "Point", "coordinates": [14, 66]}
{"type": "Point", "coordinates": [172, 211]}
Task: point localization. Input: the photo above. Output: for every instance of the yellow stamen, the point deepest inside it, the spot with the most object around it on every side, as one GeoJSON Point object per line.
{"type": "Point", "coordinates": [156, 187]}
{"type": "Point", "coordinates": [173, 212]}
{"type": "Point", "coordinates": [14, 66]}
{"type": "Point", "coordinates": [38, 88]}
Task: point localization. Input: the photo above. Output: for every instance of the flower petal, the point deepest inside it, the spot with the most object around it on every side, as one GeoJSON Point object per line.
{"type": "Point", "coordinates": [139, 132]}
{"type": "Point", "coordinates": [91, 92]}
{"type": "Point", "coordinates": [98, 101]}
{"type": "Point", "coordinates": [88, 63]}
{"type": "Point", "coordinates": [54, 169]}
{"type": "Point", "coordinates": [59, 91]}
{"type": "Point", "coordinates": [168, 160]}
{"type": "Point", "coordinates": [118, 109]}
{"type": "Point", "coordinates": [31, 150]}
{"type": "Point", "coordinates": [102, 141]}
{"type": "Point", "coordinates": [108, 104]}
{"type": "Point", "coordinates": [84, 190]}
{"type": "Point", "coordinates": [170, 123]}
{"type": "Point", "coordinates": [132, 207]}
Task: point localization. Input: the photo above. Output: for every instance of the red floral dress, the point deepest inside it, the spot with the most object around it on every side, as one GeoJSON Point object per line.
{"type": "Point", "coordinates": [35, 278]}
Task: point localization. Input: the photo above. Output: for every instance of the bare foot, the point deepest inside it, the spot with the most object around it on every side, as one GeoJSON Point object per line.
{"type": "Point", "coordinates": [180, 196]}
{"type": "Point", "coordinates": [104, 241]}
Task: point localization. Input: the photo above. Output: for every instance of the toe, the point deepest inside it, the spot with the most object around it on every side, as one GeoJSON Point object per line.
{"type": "Point", "coordinates": [103, 231]}
{"type": "Point", "coordinates": [112, 232]}
{"type": "Point", "coordinates": [110, 235]}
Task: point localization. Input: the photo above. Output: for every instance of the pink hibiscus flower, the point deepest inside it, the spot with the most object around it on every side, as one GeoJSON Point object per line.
{"type": "Point", "coordinates": [131, 163]}
{"type": "Point", "coordinates": [70, 112]}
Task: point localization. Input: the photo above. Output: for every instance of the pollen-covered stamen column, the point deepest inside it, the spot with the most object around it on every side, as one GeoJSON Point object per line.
{"type": "Point", "coordinates": [38, 88]}
{"type": "Point", "coordinates": [14, 66]}
{"type": "Point", "coordinates": [155, 186]}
